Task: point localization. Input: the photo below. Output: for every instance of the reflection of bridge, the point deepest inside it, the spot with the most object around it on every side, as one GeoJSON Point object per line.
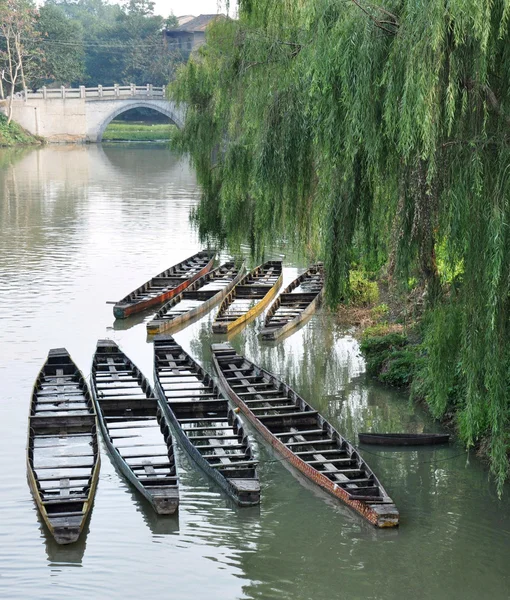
{"type": "Point", "coordinates": [82, 114]}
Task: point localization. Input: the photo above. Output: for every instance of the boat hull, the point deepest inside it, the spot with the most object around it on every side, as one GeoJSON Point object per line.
{"type": "Point", "coordinates": [220, 326]}
{"type": "Point", "coordinates": [162, 492]}
{"type": "Point", "coordinates": [163, 505]}
{"type": "Point", "coordinates": [380, 515]}
{"type": "Point", "coordinates": [121, 311]}
{"type": "Point", "coordinates": [399, 439]}
{"type": "Point", "coordinates": [64, 531]}
{"type": "Point", "coordinates": [248, 499]}
{"type": "Point", "coordinates": [189, 398]}
{"type": "Point", "coordinates": [273, 333]}
{"type": "Point", "coordinates": [165, 326]}
{"type": "Point", "coordinates": [68, 522]}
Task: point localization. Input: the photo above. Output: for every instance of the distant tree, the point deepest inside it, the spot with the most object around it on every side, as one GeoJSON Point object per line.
{"type": "Point", "coordinates": [19, 52]}
{"type": "Point", "coordinates": [171, 22]}
{"type": "Point", "coordinates": [62, 40]}
{"type": "Point", "coordinates": [144, 8]}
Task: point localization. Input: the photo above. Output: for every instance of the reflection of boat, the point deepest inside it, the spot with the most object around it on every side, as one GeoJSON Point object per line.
{"type": "Point", "coordinates": [249, 296]}
{"type": "Point", "coordinates": [303, 437]}
{"type": "Point", "coordinates": [207, 427]}
{"type": "Point", "coordinates": [63, 455]}
{"type": "Point", "coordinates": [403, 439]}
{"type": "Point", "coordinates": [129, 322]}
{"type": "Point", "coordinates": [134, 429]}
{"type": "Point", "coordinates": [70, 554]}
{"type": "Point", "coordinates": [196, 299]}
{"type": "Point", "coordinates": [297, 302]}
{"type": "Point", "coordinates": [164, 286]}
{"type": "Point", "coordinates": [158, 524]}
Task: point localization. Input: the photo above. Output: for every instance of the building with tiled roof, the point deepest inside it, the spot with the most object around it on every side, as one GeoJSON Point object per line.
{"type": "Point", "coordinates": [190, 33]}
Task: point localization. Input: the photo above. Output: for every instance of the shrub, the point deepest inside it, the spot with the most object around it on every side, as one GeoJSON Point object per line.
{"type": "Point", "coordinates": [363, 292]}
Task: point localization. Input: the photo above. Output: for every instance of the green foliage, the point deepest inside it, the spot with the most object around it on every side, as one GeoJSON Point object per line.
{"type": "Point", "coordinates": [398, 368]}
{"type": "Point", "coordinates": [13, 134]}
{"type": "Point", "coordinates": [362, 291]}
{"type": "Point", "coordinates": [57, 30]}
{"type": "Point", "coordinates": [140, 132]}
{"type": "Point", "coordinates": [389, 358]}
{"type": "Point", "coordinates": [372, 132]}
{"type": "Point", "coordinates": [118, 44]}
{"type": "Point", "coordinates": [379, 311]}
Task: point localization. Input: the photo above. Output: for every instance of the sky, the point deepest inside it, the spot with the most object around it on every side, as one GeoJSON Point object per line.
{"type": "Point", "coordinates": [188, 7]}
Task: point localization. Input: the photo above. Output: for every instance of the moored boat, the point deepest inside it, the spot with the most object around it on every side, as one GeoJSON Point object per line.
{"type": "Point", "coordinates": [296, 303]}
{"type": "Point", "coordinates": [135, 430]}
{"type": "Point", "coordinates": [62, 451]}
{"type": "Point", "coordinates": [303, 437]}
{"type": "Point", "coordinates": [207, 427]}
{"type": "Point", "coordinates": [249, 297]}
{"type": "Point", "coordinates": [196, 299]}
{"type": "Point", "coordinates": [404, 439]}
{"type": "Point", "coordinates": [164, 286]}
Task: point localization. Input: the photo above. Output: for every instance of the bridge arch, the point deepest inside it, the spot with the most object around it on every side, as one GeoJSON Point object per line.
{"type": "Point", "coordinates": [101, 114]}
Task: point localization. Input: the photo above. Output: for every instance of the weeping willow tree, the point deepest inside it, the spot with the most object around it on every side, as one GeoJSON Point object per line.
{"type": "Point", "coordinates": [375, 131]}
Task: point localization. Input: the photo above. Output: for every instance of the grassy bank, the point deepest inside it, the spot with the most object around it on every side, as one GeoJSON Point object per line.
{"type": "Point", "coordinates": [14, 135]}
{"type": "Point", "coordinates": [122, 131]}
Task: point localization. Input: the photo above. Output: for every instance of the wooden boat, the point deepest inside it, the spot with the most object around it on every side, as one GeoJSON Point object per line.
{"type": "Point", "coordinates": [403, 439]}
{"type": "Point", "coordinates": [164, 286]}
{"type": "Point", "coordinates": [297, 302]}
{"type": "Point", "coordinates": [207, 427]}
{"type": "Point", "coordinates": [249, 296]}
{"type": "Point", "coordinates": [302, 436]}
{"type": "Point", "coordinates": [62, 451]}
{"type": "Point", "coordinates": [134, 429]}
{"type": "Point", "coordinates": [196, 299]}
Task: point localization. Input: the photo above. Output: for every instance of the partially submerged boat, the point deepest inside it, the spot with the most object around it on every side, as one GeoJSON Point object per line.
{"type": "Point", "coordinates": [295, 304]}
{"type": "Point", "coordinates": [166, 285]}
{"type": "Point", "coordinates": [249, 297]}
{"type": "Point", "coordinates": [207, 427]}
{"type": "Point", "coordinates": [303, 437]}
{"type": "Point", "coordinates": [135, 430]}
{"type": "Point", "coordinates": [404, 439]}
{"type": "Point", "coordinates": [62, 451]}
{"type": "Point", "coordinates": [196, 299]}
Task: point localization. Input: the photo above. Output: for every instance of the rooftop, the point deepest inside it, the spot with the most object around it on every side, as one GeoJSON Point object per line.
{"type": "Point", "coordinates": [195, 23]}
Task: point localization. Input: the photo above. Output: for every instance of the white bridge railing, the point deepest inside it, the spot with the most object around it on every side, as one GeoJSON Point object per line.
{"type": "Point", "coordinates": [112, 92]}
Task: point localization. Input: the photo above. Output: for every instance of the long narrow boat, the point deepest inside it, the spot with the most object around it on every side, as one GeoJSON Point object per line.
{"type": "Point", "coordinates": [404, 439]}
{"type": "Point", "coordinates": [302, 436]}
{"type": "Point", "coordinates": [297, 302]}
{"type": "Point", "coordinates": [164, 286]}
{"type": "Point", "coordinates": [62, 452]}
{"type": "Point", "coordinates": [197, 299]}
{"type": "Point", "coordinates": [207, 427]}
{"type": "Point", "coordinates": [134, 429]}
{"type": "Point", "coordinates": [249, 296]}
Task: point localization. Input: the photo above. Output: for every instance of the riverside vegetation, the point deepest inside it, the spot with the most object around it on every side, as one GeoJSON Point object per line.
{"type": "Point", "coordinates": [11, 134]}
{"type": "Point", "coordinates": [375, 133]}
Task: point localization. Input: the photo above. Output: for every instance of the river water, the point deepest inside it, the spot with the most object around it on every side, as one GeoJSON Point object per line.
{"type": "Point", "coordinates": [83, 225]}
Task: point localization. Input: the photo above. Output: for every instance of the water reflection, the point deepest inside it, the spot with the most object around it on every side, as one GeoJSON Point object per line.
{"type": "Point", "coordinates": [83, 225]}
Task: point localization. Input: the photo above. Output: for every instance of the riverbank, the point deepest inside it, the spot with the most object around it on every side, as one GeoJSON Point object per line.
{"type": "Point", "coordinates": [124, 131]}
{"type": "Point", "coordinates": [392, 333]}
{"type": "Point", "coordinates": [14, 135]}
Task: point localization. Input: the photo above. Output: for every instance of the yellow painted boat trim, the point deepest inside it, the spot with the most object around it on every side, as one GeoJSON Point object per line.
{"type": "Point", "coordinates": [257, 308]}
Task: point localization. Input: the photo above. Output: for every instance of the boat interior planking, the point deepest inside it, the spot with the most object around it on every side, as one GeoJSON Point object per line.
{"type": "Point", "coordinates": [166, 285]}
{"type": "Point", "coordinates": [249, 297]}
{"type": "Point", "coordinates": [134, 428]}
{"type": "Point", "coordinates": [206, 425]}
{"type": "Point", "coordinates": [62, 452]}
{"type": "Point", "coordinates": [302, 436]}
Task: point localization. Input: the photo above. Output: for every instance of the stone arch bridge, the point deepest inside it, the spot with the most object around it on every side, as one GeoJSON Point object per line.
{"type": "Point", "coordinates": [82, 114]}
